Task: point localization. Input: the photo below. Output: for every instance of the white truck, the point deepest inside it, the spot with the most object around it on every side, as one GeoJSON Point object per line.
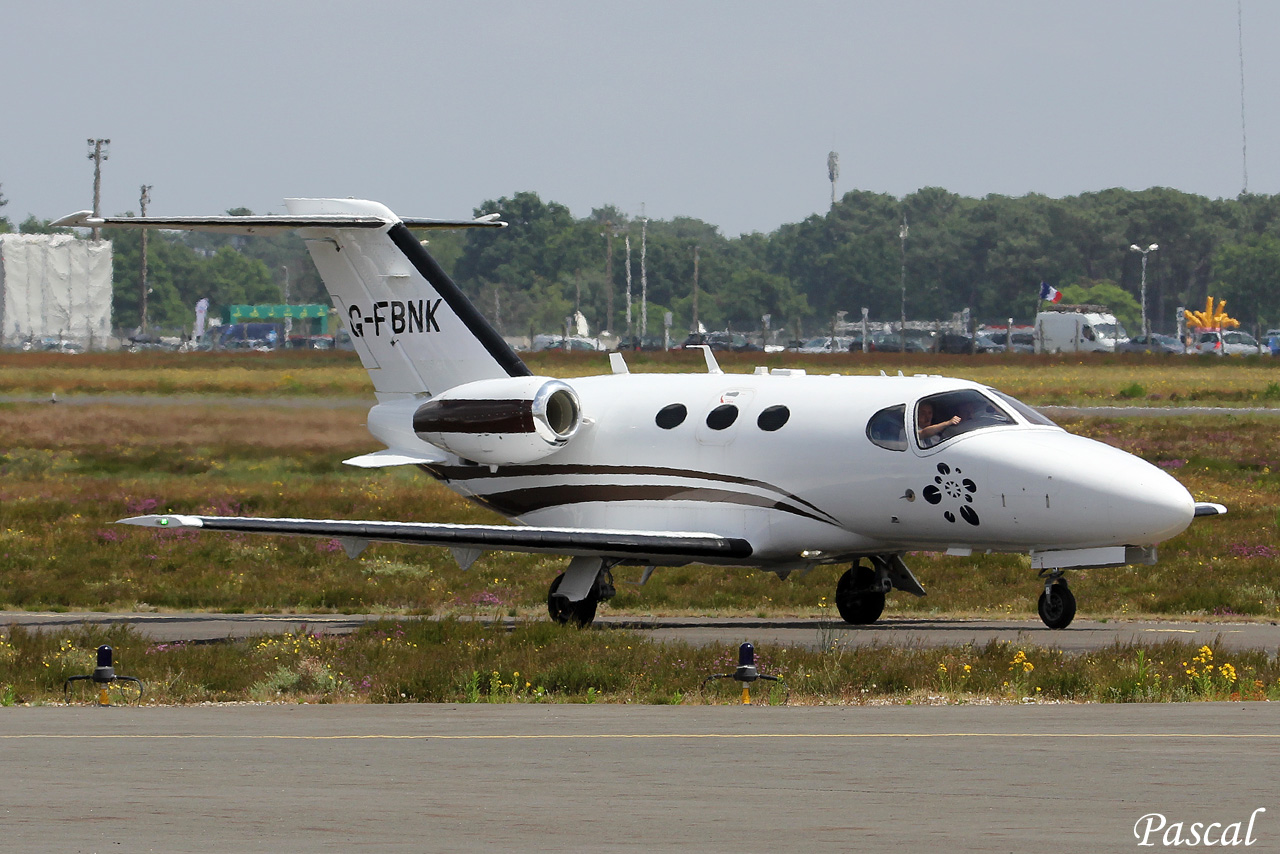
{"type": "Point", "coordinates": [1078, 329]}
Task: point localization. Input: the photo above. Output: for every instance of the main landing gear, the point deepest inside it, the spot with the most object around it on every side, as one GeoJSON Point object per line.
{"type": "Point", "coordinates": [861, 590]}
{"type": "Point", "coordinates": [860, 595]}
{"type": "Point", "coordinates": [576, 592]}
{"type": "Point", "coordinates": [1057, 603]}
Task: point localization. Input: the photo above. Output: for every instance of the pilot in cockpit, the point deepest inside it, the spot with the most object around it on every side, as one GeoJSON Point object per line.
{"type": "Point", "coordinates": [926, 429]}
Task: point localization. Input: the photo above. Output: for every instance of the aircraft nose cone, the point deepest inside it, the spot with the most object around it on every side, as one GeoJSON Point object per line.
{"type": "Point", "coordinates": [1147, 504]}
{"type": "Point", "coordinates": [1079, 493]}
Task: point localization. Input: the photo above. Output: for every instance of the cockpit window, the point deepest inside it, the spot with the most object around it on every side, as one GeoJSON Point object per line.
{"type": "Point", "coordinates": [888, 428]}
{"type": "Point", "coordinates": [1032, 415]}
{"type": "Point", "coordinates": [940, 417]}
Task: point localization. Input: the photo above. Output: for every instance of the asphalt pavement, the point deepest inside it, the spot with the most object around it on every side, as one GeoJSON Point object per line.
{"type": "Point", "coordinates": [1058, 778]}
{"type": "Point", "coordinates": [1080, 636]}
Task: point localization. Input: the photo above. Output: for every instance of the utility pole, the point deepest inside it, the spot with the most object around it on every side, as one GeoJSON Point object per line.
{"type": "Point", "coordinates": [902, 328]}
{"type": "Point", "coordinates": [833, 172]}
{"type": "Point", "coordinates": [1133, 247]}
{"type": "Point", "coordinates": [628, 240]}
{"type": "Point", "coordinates": [644, 279]}
{"type": "Point", "coordinates": [696, 327]}
{"type": "Point", "coordinates": [288, 318]}
{"type": "Point", "coordinates": [610, 231]}
{"type": "Point", "coordinates": [97, 153]}
{"type": "Point", "coordinates": [143, 201]}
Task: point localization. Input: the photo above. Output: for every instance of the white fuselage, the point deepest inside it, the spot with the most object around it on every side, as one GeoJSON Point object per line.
{"type": "Point", "coordinates": [817, 488]}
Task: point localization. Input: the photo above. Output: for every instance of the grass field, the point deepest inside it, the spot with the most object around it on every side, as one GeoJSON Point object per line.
{"type": "Point", "coordinates": [70, 471]}
{"type": "Point", "coordinates": [1093, 378]}
{"type": "Point", "coordinates": [67, 472]}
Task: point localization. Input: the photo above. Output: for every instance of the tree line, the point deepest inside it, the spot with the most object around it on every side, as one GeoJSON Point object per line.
{"type": "Point", "coordinates": [988, 255]}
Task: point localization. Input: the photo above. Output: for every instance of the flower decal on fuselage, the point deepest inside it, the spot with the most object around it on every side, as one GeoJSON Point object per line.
{"type": "Point", "coordinates": [948, 484]}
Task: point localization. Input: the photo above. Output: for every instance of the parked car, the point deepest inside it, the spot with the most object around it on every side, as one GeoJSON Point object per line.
{"type": "Point", "coordinates": [635, 342]}
{"type": "Point", "coordinates": [954, 342]}
{"type": "Point", "coordinates": [824, 344]}
{"type": "Point", "coordinates": [732, 341]}
{"type": "Point", "coordinates": [1156, 344]}
{"type": "Point", "coordinates": [1231, 343]}
{"type": "Point", "coordinates": [559, 342]}
{"type": "Point", "coordinates": [893, 342]}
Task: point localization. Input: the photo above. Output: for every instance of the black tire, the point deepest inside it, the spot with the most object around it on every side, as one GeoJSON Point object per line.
{"type": "Point", "coordinates": [565, 612]}
{"type": "Point", "coordinates": [856, 603]}
{"type": "Point", "coordinates": [1058, 606]}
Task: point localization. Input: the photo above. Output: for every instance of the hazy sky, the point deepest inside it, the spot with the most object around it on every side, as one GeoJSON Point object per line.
{"type": "Point", "coordinates": [723, 111]}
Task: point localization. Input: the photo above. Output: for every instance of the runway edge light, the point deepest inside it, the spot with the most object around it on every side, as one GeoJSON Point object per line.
{"type": "Point", "coordinates": [103, 676]}
{"type": "Point", "coordinates": [746, 672]}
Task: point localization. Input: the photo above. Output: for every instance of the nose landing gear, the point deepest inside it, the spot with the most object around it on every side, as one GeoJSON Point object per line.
{"type": "Point", "coordinates": [1057, 603]}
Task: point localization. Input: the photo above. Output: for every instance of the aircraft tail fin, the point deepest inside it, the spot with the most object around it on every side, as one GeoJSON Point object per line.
{"type": "Point", "coordinates": [415, 331]}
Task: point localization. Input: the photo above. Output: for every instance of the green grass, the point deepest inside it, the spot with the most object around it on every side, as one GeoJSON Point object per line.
{"type": "Point", "coordinates": [451, 661]}
{"type": "Point", "coordinates": [1092, 378]}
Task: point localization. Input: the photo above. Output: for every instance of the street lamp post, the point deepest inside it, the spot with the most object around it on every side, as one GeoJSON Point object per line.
{"type": "Point", "coordinates": [1133, 247]}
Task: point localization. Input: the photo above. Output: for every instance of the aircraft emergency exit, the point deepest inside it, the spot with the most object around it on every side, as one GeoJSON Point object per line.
{"type": "Point", "coordinates": [776, 469]}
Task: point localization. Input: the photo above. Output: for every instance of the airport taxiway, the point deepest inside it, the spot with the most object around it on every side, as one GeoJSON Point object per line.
{"type": "Point", "coordinates": [1081, 636]}
{"type": "Point", "coordinates": [1061, 778]}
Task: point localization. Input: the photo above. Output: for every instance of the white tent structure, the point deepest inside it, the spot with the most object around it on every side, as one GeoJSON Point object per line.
{"type": "Point", "coordinates": [54, 290]}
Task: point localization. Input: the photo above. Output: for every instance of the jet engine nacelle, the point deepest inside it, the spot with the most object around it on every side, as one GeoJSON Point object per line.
{"type": "Point", "coordinates": [503, 421]}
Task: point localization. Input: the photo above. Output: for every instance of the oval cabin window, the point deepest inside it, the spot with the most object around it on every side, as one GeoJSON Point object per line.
{"type": "Point", "coordinates": [888, 428]}
{"type": "Point", "coordinates": [722, 416]}
{"type": "Point", "coordinates": [773, 418]}
{"type": "Point", "coordinates": [671, 416]}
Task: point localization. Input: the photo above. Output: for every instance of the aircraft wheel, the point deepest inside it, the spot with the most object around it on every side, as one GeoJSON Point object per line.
{"type": "Point", "coordinates": [565, 612]}
{"type": "Point", "coordinates": [855, 602]}
{"type": "Point", "coordinates": [1057, 606]}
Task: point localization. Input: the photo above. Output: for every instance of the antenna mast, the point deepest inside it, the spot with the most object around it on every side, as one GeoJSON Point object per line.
{"type": "Point", "coordinates": [1244, 140]}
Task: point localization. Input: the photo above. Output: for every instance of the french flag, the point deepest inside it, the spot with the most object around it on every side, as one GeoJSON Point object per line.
{"type": "Point", "coordinates": [1049, 292]}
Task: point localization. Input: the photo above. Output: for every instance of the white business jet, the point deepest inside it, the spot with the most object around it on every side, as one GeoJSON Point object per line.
{"type": "Point", "coordinates": [775, 469]}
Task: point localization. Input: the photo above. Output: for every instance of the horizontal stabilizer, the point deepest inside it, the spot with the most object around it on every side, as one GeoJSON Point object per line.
{"type": "Point", "coordinates": [264, 224]}
{"type": "Point", "coordinates": [559, 541]}
{"type": "Point", "coordinates": [1206, 508]}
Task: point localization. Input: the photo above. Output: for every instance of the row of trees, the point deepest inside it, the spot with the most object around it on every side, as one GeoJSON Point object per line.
{"type": "Point", "coordinates": [988, 255]}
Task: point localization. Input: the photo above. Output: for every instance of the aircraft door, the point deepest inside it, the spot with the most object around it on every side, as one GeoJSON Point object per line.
{"type": "Point", "coordinates": [721, 418]}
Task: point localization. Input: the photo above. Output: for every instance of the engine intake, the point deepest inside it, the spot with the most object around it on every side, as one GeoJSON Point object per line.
{"type": "Point", "coordinates": [501, 422]}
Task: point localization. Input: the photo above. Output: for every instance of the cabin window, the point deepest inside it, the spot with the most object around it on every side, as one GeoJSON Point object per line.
{"type": "Point", "coordinates": [773, 418]}
{"type": "Point", "coordinates": [940, 417]}
{"type": "Point", "coordinates": [671, 416]}
{"type": "Point", "coordinates": [722, 416]}
{"type": "Point", "coordinates": [888, 428]}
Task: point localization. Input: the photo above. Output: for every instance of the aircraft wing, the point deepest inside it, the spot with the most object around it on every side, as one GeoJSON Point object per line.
{"type": "Point", "coordinates": [472, 539]}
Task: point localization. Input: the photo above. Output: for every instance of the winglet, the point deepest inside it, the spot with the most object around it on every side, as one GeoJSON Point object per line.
{"type": "Point", "coordinates": [79, 219]}
{"type": "Point", "coordinates": [713, 367]}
